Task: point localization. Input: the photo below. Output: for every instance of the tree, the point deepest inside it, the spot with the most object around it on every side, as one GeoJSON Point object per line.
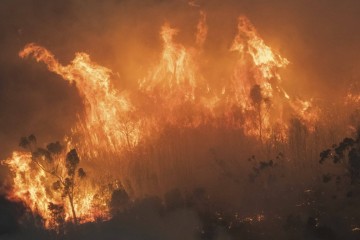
{"type": "Point", "coordinates": [119, 200]}
{"type": "Point", "coordinates": [258, 99]}
{"type": "Point", "coordinates": [50, 160]}
{"type": "Point", "coordinates": [57, 213]}
{"type": "Point", "coordinates": [348, 153]}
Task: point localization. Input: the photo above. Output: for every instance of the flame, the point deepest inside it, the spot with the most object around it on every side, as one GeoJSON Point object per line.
{"type": "Point", "coordinates": [258, 89]}
{"type": "Point", "coordinates": [33, 185]}
{"type": "Point", "coordinates": [105, 124]}
{"type": "Point", "coordinates": [175, 74]}
{"type": "Point", "coordinates": [263, 64]}
{"type": "Point", "coordinates": [248, 40]}
{"type": "Point", "coordinates": [112, 122]}
{"type": "Point", "coordinates": [306, 112]}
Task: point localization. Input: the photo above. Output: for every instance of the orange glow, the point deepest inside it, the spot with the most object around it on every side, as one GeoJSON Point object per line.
{"type": "Point", "coordinates": [352, 98]}
{"type": "Point", "coordinates": [259, 65]}
{"type": "Point", "coordinates": [248, 40]}
{"type": "Point", "coordinates": [175, 74]}
{"type": "Point", "coordinates": [113, 123]}
{"type": "Point", "coordinates": [202, 30]}
{"type": "Point", "coordinates": [105, 124]}
{"type": "Point", "coordinates": [33, 185]}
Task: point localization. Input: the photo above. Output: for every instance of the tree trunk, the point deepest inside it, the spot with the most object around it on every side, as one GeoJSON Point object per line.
{"type": "Point", "coordinates": [73, 209]}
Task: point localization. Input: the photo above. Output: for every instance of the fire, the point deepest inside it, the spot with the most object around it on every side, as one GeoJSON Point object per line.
{"type": "Point", "coordinates": [113, 123]}
{"type": "Point", "coordinates": [175, 74]}
{"type": "Point", "coordinates": [105, 124]}
{"type": "Point", "coordinates": [33, 184]}
{"type": "Point", "coordinates": [248, 40]}
{"type": "Point", "coordinates": [258, 89]}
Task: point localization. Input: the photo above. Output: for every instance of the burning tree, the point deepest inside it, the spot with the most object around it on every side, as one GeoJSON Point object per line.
{"type": "Point", "coordinates": [50, 160]}
{"type": "Point", "coordinates": [258, 99]}
{"type": "Point", "coordinates": [172, 94]}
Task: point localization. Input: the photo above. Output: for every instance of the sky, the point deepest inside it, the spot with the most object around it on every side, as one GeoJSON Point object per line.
{"type": "Point", "coordinates": [320, 38]}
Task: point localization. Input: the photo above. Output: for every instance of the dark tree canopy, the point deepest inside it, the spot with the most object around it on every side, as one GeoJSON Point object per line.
{"type": "Point", "coordinates": [347, 152]}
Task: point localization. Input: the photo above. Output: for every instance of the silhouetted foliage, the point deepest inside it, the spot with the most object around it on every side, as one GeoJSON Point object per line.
{"type": "Point", "coordinates": [261, 166]}
{"type": "Point", "coordinates": [42, 152]}
{"type": "Point", "coordinates": [255, 94]}
{"type": "Point", "coordinates": [57, 217]}
{"type": "Point", "coordinates": [119, 201]}
{"type": "Point", "coordinates": [81, 173]}
{"type": "Point", "coordinates": [257, 99]}
{"type": "Point", "coordinates": [324, 155]}
{"type": "Point", "coordinates": [28, 142]}
{"type": "Point", "coordinates": [24, 142]}
{"type": "Point", "coordinates": [72, 161]}
{"type": "Point", "coordinates": [32, 138]}
{"type": "Point", "coordinates": [347, 152]}
{"type": "Point", "coordinates": [55, 148]}
{"type": "Point", "coordinates": [48, 160]}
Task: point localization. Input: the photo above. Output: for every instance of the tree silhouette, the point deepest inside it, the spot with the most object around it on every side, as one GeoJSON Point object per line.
{"type": "Point", "coordinates": [348, 153]}
{"type": "Point", "coordinates": [57, 213]}
{"type": "Point", "coordinates": [50, 159]}
{"type": "Point", "coordinates": [258, 101]}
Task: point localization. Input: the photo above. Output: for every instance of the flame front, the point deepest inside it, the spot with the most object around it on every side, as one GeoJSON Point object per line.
{"type": "Point", "coordinates": [106, 110]}
{"type": "Point", "coordinates": [33, 185]}
{"type": "Point", "coordinates": [113, 123]}
{"type": "Point", "coordinates": [258, 89]}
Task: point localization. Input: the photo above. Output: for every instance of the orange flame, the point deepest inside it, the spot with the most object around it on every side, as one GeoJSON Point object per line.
{"type": "Point", "coordinates": [257, 71]}
{"type": "Point", "coordinates": [107, 111]}
{"type": "Point", "coordinates": [111, 121]}
{"type": "Point", "coordinates": [175, 74]}
{"type": "Point", "coordinates": [33, 185]}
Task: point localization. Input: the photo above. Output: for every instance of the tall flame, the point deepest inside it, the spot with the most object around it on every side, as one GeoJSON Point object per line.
{"type": "Point", "coordinates": [258, 87]}
{"type": "Point", "coordinates": [105, 124]}
{"type": "Point", "coordinates": [175, 73]}
{"type": "Point", "coordinates": [112, 122]}
{"type": "Point", "coordinates": [248, 40]}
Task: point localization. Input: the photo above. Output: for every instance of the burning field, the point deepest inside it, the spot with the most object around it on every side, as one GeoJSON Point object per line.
{"type": "Point", "coordinates": [180, 120]}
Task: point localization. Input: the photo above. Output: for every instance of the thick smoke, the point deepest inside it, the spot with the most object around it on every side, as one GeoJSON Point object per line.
{"type": "Point", "coordinates": [320, 38]}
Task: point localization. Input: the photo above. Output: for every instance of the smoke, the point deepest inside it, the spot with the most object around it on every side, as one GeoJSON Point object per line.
{"type": "Point", "coordinates": [320, 39]}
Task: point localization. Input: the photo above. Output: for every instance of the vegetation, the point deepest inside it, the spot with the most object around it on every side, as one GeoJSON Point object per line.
{"type": "Point", "coordinates": [50, 160]}
{"type": "Point", "coordinates": [270, 195]}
